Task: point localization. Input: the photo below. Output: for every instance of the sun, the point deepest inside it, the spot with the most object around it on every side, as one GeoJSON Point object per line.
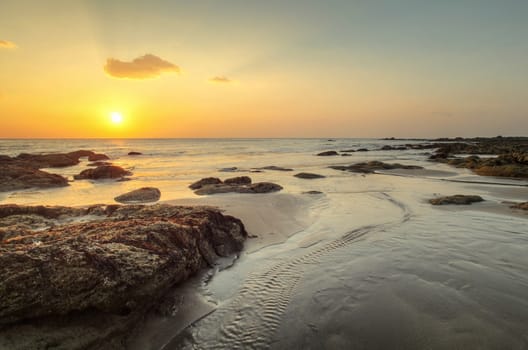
{"type": "Point", "coordinates": [116, 117]}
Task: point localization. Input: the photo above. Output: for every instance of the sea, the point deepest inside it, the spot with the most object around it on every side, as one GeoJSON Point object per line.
{"type": "Point", "coordinates": [372, 264]}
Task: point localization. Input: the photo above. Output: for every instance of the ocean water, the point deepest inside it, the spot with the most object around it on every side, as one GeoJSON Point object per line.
{"type": "Point", "coordinates": [375, 266]}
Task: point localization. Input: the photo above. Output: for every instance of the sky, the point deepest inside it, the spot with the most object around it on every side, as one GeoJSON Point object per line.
{"type": "Point", "coordinates": [244, 68]}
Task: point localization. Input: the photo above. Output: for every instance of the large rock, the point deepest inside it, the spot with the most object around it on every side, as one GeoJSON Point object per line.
{"type": "Point", "coordinates": [108, 272]}
{"type": "Point", "coordinates": [458, 199]}
{"type": "Point", "coordinates": [142, 195]}
{"type": "Point", "coordinates": [372, 166]}
{"type": "Point", "coordinates": [103, 172]}
{"type": "Point", "coordinates": [241, 184]}
{"type": "Point", "coordinates": [15, 177]}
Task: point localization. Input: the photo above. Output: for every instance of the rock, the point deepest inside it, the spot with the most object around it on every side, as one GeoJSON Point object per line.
{"type": "Point", "coordinates": [241, 184]}
{"type": "Point", "coordinates": [38, 161]}
{"type": "Point", "coordinates": [393, 148]}
{"type": "Point", "coordinates": [142, 195]}
{"type": "Point", "coordinates": [348, 151]}
{"type": "Point", "coordinates": [14, 177]}
{"type": "Point", "coordinates": [458, 199]}
{"type": "Point", "coordinates": [309, 176]}
{"type": "Point", "coordinates": [106, 272]}
{"type": "Point", "coordinates": [372, 166]}
{"type": "Point", "coordinates": [239, 180]}
{"type": "Point", "coordinates": [134, 153]}
{"type": "Point", "coordinates": [346, 155]}
{"type": "Point", "coordinates": [103, 172]}
{"type": "Point", "coordinates": [522, 206]}
{"type": "Point", "coordinates": [228, 170]}
{"type": "Point", "coordinates": [205, 181]}
{"type": "Point", "coordinates": [362, 150]}
{"type": "Point", "coordinates": [97, 157]}
{"type": "Point", "coordinates": [312, 192]}
{"type": "Point", "coordinates": [264, 187]}
{"type": "Point", "coordinates": [273, 167]}
{"type": "Point", "coordinates": [328, 153]}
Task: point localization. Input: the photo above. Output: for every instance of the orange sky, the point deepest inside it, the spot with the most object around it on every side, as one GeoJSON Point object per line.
{"type": "Point", "coordinates": [248, 69]}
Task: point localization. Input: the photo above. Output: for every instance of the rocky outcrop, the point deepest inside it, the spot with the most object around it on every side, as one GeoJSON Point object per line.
{"type": "Point", "coordinates": [241, 184]}
{"type": "Point", "coordinates": [458, 199]}
{"type": "Point", "coordinates": [15, 177]}
{"type": "Point", "coordinates": [328, 153]}
{"type": "Point", "coordinates": [309, 176]}
{"type": "Point", "coordinates": [141, 195]}
{"type": "Point", "coordinates": [103, 172]}
{"type": "Point", "coordinates": [372, 166]}
{"type": "Point", "coordinates": [117, 266]}
{"type": "Point", "coordinates": [23, 172]}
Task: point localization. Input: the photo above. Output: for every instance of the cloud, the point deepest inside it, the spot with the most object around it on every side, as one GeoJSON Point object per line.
{"type": "Point", "coordinates": [144, 67]}
{"type": "Point", "coordinates": [220, 79]}
{"type": "Point", "coordinates": [6, 44]}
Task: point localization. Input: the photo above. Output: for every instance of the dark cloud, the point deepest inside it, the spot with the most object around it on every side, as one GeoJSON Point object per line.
{"type": "Point", "coordinates": [6, 44]}
{"type": "Point", "coordinates": [220, 79]}
{"type": "Point", "coordinates": [144, 67]}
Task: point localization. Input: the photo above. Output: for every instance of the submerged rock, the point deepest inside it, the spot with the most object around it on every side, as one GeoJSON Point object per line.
{"type": "Point", "coordinates": [106, 272]}
{"type": "Point", "coordinates": [372, 166]}
{"type": "Point", "coordinates": [309, 176]}
{"type": "Point", "coordinates": [142, 195]}
{"type": "Point", "coordinates": [312, 192]}
{"type": "Point", "coordinates": [458, 199]}
{"type": "Point", "coordinates": [103, 172]}
{"type": "Point", "coordinates": [328, 153]}
{"type": "Point", "coordinates": [134, 153]}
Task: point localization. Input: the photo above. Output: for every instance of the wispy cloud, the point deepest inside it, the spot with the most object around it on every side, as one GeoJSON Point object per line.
{"type": "Point", "coordinates": [220, 79]}
{"type": "Point", "coordinates": [144, 67]}
{"type": "Point", "coordinates": [6, 44]}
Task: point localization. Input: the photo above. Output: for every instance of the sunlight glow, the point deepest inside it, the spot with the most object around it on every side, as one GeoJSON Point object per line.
{"type": "Point", "coordinates": [116, 117]}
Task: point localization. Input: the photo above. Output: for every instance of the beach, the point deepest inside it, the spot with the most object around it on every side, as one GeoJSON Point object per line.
{"type": "Point", "coordinates": [346, 260]}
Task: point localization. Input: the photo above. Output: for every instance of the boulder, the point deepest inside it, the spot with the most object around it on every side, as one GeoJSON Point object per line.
{"type": "Point", "coordinates": [458, 199]}
{"type": "Point", "coordinates": [134, 153]}
{"type": "Point", "coordinates": [328, 153]}
{"type": "Point", "coordinates": [309, 176]}
{"type": "Point", "coordinates": [263, 187]}
{"type": "Point", "coordinates": [239, 180]}
{"type": "Point", "coordinates": [103, 172]}
{"type": "Point", "coordinates": [142, 195]}
{"type": "Point", "coordinates": [106, 272]}
{"type": "Point", "coordinates": [205, 181]}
